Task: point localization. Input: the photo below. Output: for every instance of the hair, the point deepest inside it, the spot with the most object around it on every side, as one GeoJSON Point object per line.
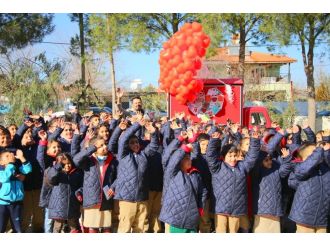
{"type": "Point", "coordinates": [94, 140]}
{"type": "Point", "coordinates": [321, 132]}
{"type": "Point", "coordinates": [203, 137]}
{"type": "Point", "coordinates": [133, 137]}
{"type": "Point", "coordinates": [93, 116]}
{"type": "Point", "coordinates": [66, 156]}
{"type": "Point", "coordinates": [51, 122]}
{"type": "Point", "coordinates": [102, 125]}
{"type": "Point", "coordinates": [136, 97]}
{"type": "Point", "coordinates": [305, 150]}
{"type": "Point", "coordinates": [51, 143]}
{"type": "Point", "coordinates": [10, 125]}
{"type": "Point", "coordinates": [4, 131]}
{"type": "Point", "coordinates": [3, 152]}
{"type": "Point", "coordinates": [229, 148]}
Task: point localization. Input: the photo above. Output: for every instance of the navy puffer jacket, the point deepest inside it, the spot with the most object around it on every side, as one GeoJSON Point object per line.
{"type": "Point", "coordinates": [93, 194]}
{"type": "Point", "coordinates": [229, 183]}
{"type": "Point", "coordinates": [132, 181]}
{"type": "Point", "coordinates": [184, 195]}
{"type": "Point", "coordinates": [267, 187]}
{"type": "Point", "coordinates": [311, 179]}
{"type": "Point", "coordinates": [63, 203]}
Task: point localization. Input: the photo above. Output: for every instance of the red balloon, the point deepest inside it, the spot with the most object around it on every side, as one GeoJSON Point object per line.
{"type": "Point", "coordinates": [196, 26]}
{"type": "Point", "coordinates": [189, 40]}
{"type": "Point", "coordinates": [206, 41]}
{"type": "Point", "coordinates": [198, 64]}
{"type": "Point", "coordinates": [180, 69]}
{"type": "Point", "coordinates": [191, 97]}
{"type": "Point", "coordinates": [191, 52]}
{"type": "Point", "coordinates": [201, 51]}
{"type": "Point", "coordinates": [197, 42]}
{"type": "Point", "coordinates": [166, 45]}
{"type": "Point", "coordinates": [188, 64]}
{"type": "Point", "coordinates": [186, 26]}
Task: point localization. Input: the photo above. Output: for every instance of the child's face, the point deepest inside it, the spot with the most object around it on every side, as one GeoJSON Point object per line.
{"type": "Point", "coordinates": [203, 146]}
{"type": "Point", "coordinates": [95, 121]}
{"type": "Point", "coordinates": [67, 166]}
{"type": "Point", "coordinates": [185, 164]}
{"type": "Point", "coordinates": [134, 145]}
{"type": "Point", "coordinates": [4, 140]}
{"type": "Point", "coordinates": [54, 149]}
{"type": "Point", "coordinates": [68, 131]}
{"type": "Point", "coordinates": [267, 162]}
{"type": "Point", "coordinates": [103, 149]}
{"type": "Point", "coordinates": [27, 139]}
{"type": "Point", "coordinates": [7, 158]}
{"type": "Point", "coordinates": [12, 129]}
{"type": "Point", "coordinates": [104, 133]}
{"type": "Point", "coordinates": [245, 145]}
{"type": "Point", "coordinates": [231, 158]}
{"type": "Point", "coordinates": [318, 137]}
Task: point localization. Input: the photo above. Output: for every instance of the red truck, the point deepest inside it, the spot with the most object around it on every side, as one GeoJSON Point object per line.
{"type": "Point", "coordinates": [222, 99]}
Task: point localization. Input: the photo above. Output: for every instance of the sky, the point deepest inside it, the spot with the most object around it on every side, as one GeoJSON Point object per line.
{"type": "Point", "coordinates": [130, 66]}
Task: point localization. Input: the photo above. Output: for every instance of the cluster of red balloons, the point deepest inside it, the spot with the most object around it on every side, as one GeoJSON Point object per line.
{"type": "Point", "coordinates": [180, 59]}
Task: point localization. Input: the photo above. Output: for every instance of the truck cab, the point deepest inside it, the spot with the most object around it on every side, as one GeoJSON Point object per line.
{"type": "Point", "coordinates": [256, 116]}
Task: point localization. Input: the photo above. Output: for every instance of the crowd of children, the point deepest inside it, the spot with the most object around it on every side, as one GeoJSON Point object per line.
{"type": "Point", "coordinates": [124, 172]}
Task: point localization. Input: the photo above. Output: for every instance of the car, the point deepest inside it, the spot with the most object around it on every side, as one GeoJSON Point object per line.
{"type": "Point", "coordinates": [98, 110]}
{"type": "Point", "coordinates": [324, 113]}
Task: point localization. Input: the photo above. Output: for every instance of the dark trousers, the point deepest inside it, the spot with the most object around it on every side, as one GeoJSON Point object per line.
{"type": "Point", "coordinates": [12, 212]}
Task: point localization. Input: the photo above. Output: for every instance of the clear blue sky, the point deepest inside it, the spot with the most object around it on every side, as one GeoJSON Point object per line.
{"type": "Point", "coordinates": [143, 66]}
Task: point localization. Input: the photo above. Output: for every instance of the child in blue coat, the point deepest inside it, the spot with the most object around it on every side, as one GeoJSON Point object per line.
{"type": "Point", "coordinates": [229, 181]}
{"type": "Point", "coordinates": [311, 180]}
{"type": "Point", "coordinates": [63, 206]}
{"type": "Point", "coordinates": [11, 189]}
{"type": "Point", "coordinates": [185, 195]}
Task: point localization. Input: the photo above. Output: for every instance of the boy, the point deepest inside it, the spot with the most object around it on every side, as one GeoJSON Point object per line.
{"type": "Point", "coordinates": [11, 189]}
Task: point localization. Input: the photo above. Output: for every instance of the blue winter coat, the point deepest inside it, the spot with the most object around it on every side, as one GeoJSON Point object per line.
{"type": "Point", "coordinates": [229, 183]}
{"type": "Point", "coordinates": [267, 187]}
{"type": "Point", "coordinates": [11, 188]}
{"type": "Point", "coordinates": [184, 195]}
{"type": "Point", "coordinates": [132, 181]}
{"type": "Point", "coordinates": [63, 203]}
{"type": "Point", "coordinates": [311, 179]}
{"type": "Point", "coordinates": [93, 185]}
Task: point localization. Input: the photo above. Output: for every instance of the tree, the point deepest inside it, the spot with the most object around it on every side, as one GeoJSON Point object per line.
{"type": "Point", "coordinates": [31, 82]}
{"type": "Point", "coordinates": [18, 30]}
{"type": "Point", "coordinates": [305, 29]}
{"type": "Point", "coordinates": [152, 100]}
{"type": "Point", "coordinates": [247, 27]}
{"type": "Point", "coordinates": [323, 92]}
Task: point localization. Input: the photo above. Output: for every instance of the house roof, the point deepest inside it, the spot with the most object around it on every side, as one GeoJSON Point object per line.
{"type": "Point", "coordinates": [223, 54]}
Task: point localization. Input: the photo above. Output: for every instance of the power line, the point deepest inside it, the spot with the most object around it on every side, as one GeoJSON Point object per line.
{"type": "Point", "coordinates": [265, 45]}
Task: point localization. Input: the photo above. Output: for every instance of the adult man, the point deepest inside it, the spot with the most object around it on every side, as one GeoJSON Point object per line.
{"type": "Point", "coordinates": [136, 104]}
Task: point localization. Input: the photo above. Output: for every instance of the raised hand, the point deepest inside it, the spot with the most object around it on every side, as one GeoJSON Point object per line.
{"type": "Point", "coordinates": [285, 152]}
{"type": "Point", "coordinates": [142, 122]}
{"type": "Point", "coordinates": [190, 133]}
{"type": "Point", "coordinates": [20, 155]}
{"type": "Point", "coordinates": [43, 135]}
{"type": "Point", "coordinates": [75, 129]}
{"type": "Point", "coordinates": [28, 123]}
{"type": "Point", "coordinates": [90, 134]}
{"type": "Point", "coordinates": [118, 114]}
{"type": "Point", "coordinates": [151, 129]}
{"type": "Point", "coordinates": [281, 131]}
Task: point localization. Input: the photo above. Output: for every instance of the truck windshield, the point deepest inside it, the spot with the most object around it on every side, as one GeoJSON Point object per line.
{"type": "Point", "coordinates": [258, 118]}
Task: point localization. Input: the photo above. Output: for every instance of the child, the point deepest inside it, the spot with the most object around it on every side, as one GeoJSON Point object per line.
{"type": "Point", "coordinates": [12, 129]}
{"type": "Point", "coordinates": [200, 163]}
{"type": "Point", "coordinates": [46, 156]}
{"type": "Point", "coordinates": [131, 186]}
{"type": "Point", "coordinates": [311, 180]}
{"type": "Point", "coordinates": [229, 181]}
{"type": "Point", "coordinates": [185, 195]}
{"type": "Point", "coordinates": [267, 191]}
{"type": "Point", "coordinates": [63, 204]}
{"type": "Point", "coordinates": [100, 171]}
{"type": "Point", "coordinates": [11, 189]}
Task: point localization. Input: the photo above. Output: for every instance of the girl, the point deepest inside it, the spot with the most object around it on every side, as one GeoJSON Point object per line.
{"type": "Point", "coordinates": [63, 205]}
